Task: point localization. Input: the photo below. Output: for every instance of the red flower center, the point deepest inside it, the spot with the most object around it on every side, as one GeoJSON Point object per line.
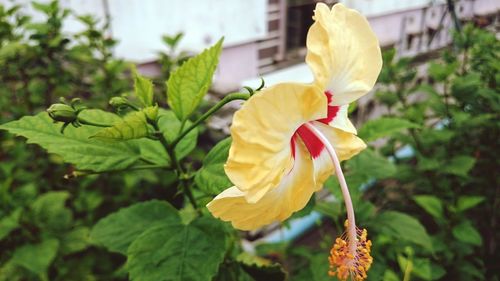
{"type": "Point", "coordinates": [311, 141]}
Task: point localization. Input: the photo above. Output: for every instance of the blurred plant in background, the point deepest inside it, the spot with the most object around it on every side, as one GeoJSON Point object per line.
{"type": "Point", "coordinates": [45, 219]}
{"type": "Point", "coordinates": [427, 188]}
{"type": "Point", "coordinates": [42, 64]}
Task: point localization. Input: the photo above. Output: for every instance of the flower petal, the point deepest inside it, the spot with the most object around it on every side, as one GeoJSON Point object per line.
{"type": "Point", "coordinates": [260, 154]}
{"type": "Point", "coordinates": [342, 122]}
{"type": "Point", "coordinates": [343, 53]}
{"type": "Point", "coordinates": [290, 195]}
{"type": "Point", "coordinates": [346, 145]}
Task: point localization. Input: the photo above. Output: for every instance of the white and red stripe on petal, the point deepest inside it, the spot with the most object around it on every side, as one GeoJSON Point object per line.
{"type": "Point", "coordinates": [338, 130]}
{"type": "Point", "coordinates": [312, 142]}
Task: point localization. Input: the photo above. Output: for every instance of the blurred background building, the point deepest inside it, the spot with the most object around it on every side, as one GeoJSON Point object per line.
{"type": "Point", "coordinates": [267, 37]}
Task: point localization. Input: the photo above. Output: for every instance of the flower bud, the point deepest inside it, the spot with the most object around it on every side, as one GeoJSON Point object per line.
{"type": "Point", "coordinates": [151, 112]}
{"type": "Point", "coordinates": [118, 102]}
{"type": "Point", "coordinates": [62, 113]}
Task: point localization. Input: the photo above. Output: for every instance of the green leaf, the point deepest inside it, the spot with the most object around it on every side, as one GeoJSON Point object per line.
{"type": "Point", "coordinates": [45, 8]}
{"type": "Point", "coordinates": [75, 147]}
{"type": "Point", "coordinates": [441, 71]}
{"type": "Point", "coordinates": [459, 165]}
{"type": "Point", "coordinates": [143, 89]}
{"type": "Point", "coordinates": [384, 127]}
{"type": "Point", "coordinates": [211, 178]}
{"type": "Point", "coordinates": [173, 40]}
{"type": "Point", "coordinates": [9, 223]}
{"type": "Point", "coordinates": [424, 269]}
{"type": "Point", "coordinates": [319, 268]}
{"type": "Point", "coordinates": [465, 88]}
{"type": "Point", "coordinates": [117, 231]}
{"type": "Point", "coordinates": [50, 212]}
{"type": "Point", "coordinates": [469, 271]}
{"type": "Point", "coordinates": [430, 137]}
{"type": "Point", "coordinates": [466, 233]}
{"type": "Point", "coordinates": [231, 271]}
{"type": "Point", "coordinates": [171, 127]}
{"type": "Point", "coordinates": [467, 202]}
{"type": "Point", "coordinates": [178, 252]}
{"type": "Point", "coordinates": [431, 204]}
{"type": "Point", "coordinates": [75, 240]}
{"type": "Point", "coordinates": [261, 269]}
{"type": "Point", "coordinates": [428, 164]}
{"type": "Point", "coordinates": [404, 227]}
{"type": "Point", "coordinates": [189, 83]}
{"type": "Point", "coordinates": [36, 257]}
{"type": "Point", "coordinates": [133, 126]}
{"type": "Point", "coordinates": [389, 275]}
{"type": "Point", "coordinates": [437, 272]}
{"type": "Point", "coordinates": [327, 208]}
{"type": "Point", "coordinates": [370, 164]}
{"type": "Point", "coordinates": [421, 267]}
{"type": "Point", "coordinates": [152, 150]}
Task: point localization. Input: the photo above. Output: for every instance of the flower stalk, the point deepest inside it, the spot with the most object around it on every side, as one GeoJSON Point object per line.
{"type": "Point", "coordinates": [351, 228]}
{"type": "Point", "coordinates": [350, 255]}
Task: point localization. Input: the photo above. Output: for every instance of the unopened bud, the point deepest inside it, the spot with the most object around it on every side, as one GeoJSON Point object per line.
{"type": "Point", "coordinates": [62, 113]}
{"type": "Point", "coordinates": [151, 112]}
{"type": "Point", "coordinates": [118, 102]}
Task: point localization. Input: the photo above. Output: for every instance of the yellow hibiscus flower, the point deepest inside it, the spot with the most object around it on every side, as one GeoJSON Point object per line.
{"type": "Point", "coordinates": [289, 138]}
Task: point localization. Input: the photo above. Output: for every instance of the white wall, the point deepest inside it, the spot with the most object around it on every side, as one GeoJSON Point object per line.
{"type": "Point", "coordinates": [372, 8]}
{"type": "Point", "coordinates": [139, 24]}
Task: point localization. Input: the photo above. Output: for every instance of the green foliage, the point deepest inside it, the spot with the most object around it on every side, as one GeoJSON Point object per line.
{"type": "Point", "coordinates": [466, 202]}
{"type": "Point", "coordinates": [171, 128]}
{"type": "Point", "coordinates": [421, 268]}
{"type": "Point", "coordinates": [370, 164]}
{"type": "Point", "coordinates": [158, 241]}
{"type": "Point", "coordinates": [384, 127]}
{"type": "Point", "coordinates": [118, 230]}
{"type": "Point", "coordinates": [402, 226]}
{"type": "Point", "coordinates": [459, 165]}
{"type": "Point", "coordinates": [211, 178]}
{"type": "Point", "coordinates": [75, 145]}
{"type": "Point", "coordinates": [466, 233]}
{"type": "Point", "coordinates": [133, 126]}
{"type": "Point", "coordinates": [431, 204]}
{"type": "Point", "coordinates": [261, 269]}
{"type": "Point", "coordinates": [49, 211]}
{"type": "Point", "coordinates": [143, 89]}
{"type": "Point", "coordinates": [173, 251]}
{"type": "Point", "coordinates": [36, 257]}
{"type": "Point", "coordinates": [43, 63]}
{"type": "Point", "coordinates": [189, 83]}
{"type": "Point", "coordinates": [449, 172]}
{"type": "Point", "coordinates": [9, 223]}
{"type": "Point", "coordinates": [430, 213]}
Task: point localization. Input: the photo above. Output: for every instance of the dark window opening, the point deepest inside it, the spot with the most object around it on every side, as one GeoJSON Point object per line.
{"type": "Point", "coordinates": [299, 19]}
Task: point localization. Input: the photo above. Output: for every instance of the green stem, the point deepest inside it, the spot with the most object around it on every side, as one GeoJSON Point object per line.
{"type": "Point", "coordinates": [90, 123]}
{"type": "Point", "coordinates": [166, 146]}
{"type": "Point", "coordinates": [87, 173]}
{"type": "Point", "coordinates": [408, 270]}
{"type": "Point", "coordinates": [133, 106]}
{"type": "Point", "coordinates": [212, 110]}
{"type": "Point", "coordinates": [177, 165]}
{"type": "Point", "coordinates": [190, 196]}
{"type": "Point", "coordinates": [412, 131]}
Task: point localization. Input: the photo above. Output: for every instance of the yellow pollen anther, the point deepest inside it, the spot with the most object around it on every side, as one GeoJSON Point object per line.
{"type": "Point", "coordinates": [345, 265]}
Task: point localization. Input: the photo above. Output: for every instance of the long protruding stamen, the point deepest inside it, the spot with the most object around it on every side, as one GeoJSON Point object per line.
{"type": "Point", "coordinates": [351, 228]}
